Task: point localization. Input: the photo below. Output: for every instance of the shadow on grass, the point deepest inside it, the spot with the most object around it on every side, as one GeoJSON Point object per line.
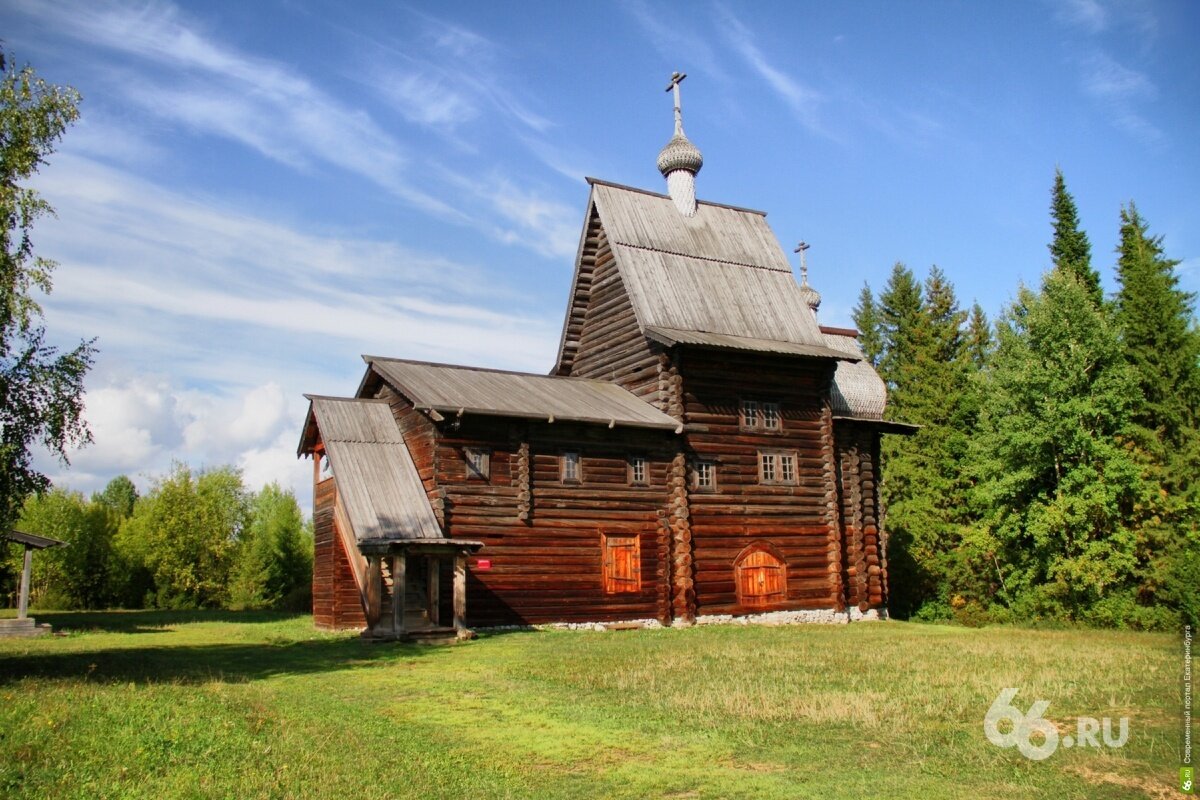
{"type": "Point", "coordinates": [150, 621]}
{"type": "Point", "coordinates": [237, 662]}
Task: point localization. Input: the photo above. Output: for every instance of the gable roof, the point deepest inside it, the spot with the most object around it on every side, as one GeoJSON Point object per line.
{"type": "Point", "coordinates": [449, 388]}
{"type": "Point", "coordinates": [718, 272]}
{"type": "Point", "coordinates": [375, 476]}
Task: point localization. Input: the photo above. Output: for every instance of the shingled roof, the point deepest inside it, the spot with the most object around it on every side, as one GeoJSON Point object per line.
{"type": "Point", "coordinates": [449, 389]}
{"type": "Point", "coordinates": [719, 272]}
{"type": "Point", "coordinates": [375, 476]}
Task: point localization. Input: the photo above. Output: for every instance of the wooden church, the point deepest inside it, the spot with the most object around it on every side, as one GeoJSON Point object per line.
{"type": "Point", "coordinates": [703, 446]}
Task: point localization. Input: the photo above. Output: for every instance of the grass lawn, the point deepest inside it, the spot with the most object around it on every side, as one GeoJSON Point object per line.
{"type": "Point", "coordinates": [148, 704]}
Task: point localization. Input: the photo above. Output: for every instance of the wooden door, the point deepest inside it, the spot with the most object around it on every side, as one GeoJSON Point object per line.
{"type": "Point", "coordinates": [761, 579]}
{"type": "Point", "coordinates": [622, 563]}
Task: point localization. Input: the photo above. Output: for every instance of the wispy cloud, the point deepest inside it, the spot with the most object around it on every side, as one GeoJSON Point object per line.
{"type": "Point", "coordinates": [803, 100]}
{"type": "Point", "coordinates": [676, 42]}
{"type": "Point", "coordinates": [1120, 90]}
{"type": "Point", "coordinates": [1088, 15]}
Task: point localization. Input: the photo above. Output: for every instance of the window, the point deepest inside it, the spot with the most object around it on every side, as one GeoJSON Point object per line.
{"type": "Point", "coordinates": [787, 468]}
{"type": "Point", "coordinates": [638, 470]}
{"type": "Point", "coordinates": [750, 418]}
{"type": "Point", "coordinates": [570, 468]}
{"type": "Point", "coordinates": [479, 463]}
{"type": "Point", "coordinates": [759, 415]}
{"type": "Point", "coordinates": [622, 563]}
{"type": "Point", "coordinates": [776, 467]}
{"type": "Point", "coordinates": [326, 468]}
{"type": "Point", "coordinates": [706, 476]}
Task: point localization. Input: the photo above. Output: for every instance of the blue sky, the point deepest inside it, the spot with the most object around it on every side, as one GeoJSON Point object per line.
{"type": "Point", "coordinates": [258, 193]}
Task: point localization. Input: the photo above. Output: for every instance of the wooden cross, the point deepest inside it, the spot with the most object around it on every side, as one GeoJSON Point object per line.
{"type": "Point", "coordinates": [676, 79]}
{"type": "Point", "coordinates": [801, 248]}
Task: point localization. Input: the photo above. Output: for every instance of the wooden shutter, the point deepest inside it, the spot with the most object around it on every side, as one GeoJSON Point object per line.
{"type": "Point", "coordinates": [622, 563]}
{"type": "Point", "coordinates": [761, 579]}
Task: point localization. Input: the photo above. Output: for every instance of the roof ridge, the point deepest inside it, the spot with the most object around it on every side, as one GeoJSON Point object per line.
{"type": "Point", "coordinates": [601, 182]}
{"type": "Point", "coordinates": [705, 258]}
{"type": "Point", "coordinates": [572, 378]}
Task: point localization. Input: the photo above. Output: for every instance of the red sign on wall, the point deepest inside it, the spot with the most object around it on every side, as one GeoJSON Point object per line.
{"type": "Point", "coordinates": [483, 564]}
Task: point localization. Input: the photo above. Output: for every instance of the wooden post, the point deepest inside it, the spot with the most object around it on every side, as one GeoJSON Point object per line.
{"type": "Point", "coordinates": [432, 569]}
{"type": "Point", "coordinates": [399, 567]}
{"type": "Point", "coordinates": [374, 591]}
{"type": "Point", "coordinates": [460, 593]}
{"type": "Point", "coordinates": [26, 577]}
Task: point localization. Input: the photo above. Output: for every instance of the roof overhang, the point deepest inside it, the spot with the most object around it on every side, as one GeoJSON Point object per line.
{"type": "Point", "coordinates": [725, 341]}
{"type": "Point", "coordinates": [32, 540]}
{"type": "Point", "coordinates": [387, 546]}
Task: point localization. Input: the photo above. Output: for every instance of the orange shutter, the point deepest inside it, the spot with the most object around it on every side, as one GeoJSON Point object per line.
{"type": "Point", "coordinates": [760, 579]}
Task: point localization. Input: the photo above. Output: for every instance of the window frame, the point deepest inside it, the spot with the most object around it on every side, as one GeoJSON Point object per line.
{"type": "Point", "coordinates": [753, 415]}
{"type": "Point", "coordinates": [634, 461]}
{"type": "Point", "coordinates": [474, 473]}
{"type": "Point", "coordinates": [775, 459]}
{"type": "Point", "coordinates": [570, 456]}
{"type": "Point", "coordinates": [698, 469]}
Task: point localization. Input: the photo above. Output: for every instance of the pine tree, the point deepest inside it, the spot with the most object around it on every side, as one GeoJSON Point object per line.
{"type": "Point", "coordinates": [1162, 345]}
{"type": "Point", "coordinates": [979, 337]}
{"type": "Point", "coordinates": [1070, 250]}
{"type": "Point", "coordinates": [1161, 341]}
{"type": "Point", "coordinates": [870, 325]}
{"type": "Point", "coordinates": [924, 488]}
{"type": "Point", "coordinates": [900, 309]}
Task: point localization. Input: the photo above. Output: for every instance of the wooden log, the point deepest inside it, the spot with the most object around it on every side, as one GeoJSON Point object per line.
{"type": "Point", "coordinates": [399, 584]}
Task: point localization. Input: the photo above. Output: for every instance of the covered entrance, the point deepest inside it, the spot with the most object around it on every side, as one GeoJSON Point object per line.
{"type": "Point", "coordinates": [404, 588]}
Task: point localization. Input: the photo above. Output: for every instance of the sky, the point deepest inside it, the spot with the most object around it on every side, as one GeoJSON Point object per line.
{"type": "Point", "coordinates": [257, 194]}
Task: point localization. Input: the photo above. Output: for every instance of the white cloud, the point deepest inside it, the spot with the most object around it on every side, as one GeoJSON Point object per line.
{"type": "Point", "coordinates": [1089, 15]}
{"type": "Point", "coordinates": [803, 100]}
{"type": "Point", "coordinates": [1120, 90]}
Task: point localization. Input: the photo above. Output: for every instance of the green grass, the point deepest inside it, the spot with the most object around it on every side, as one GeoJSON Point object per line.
{"type": "Point", "coordinates": [156, 705]}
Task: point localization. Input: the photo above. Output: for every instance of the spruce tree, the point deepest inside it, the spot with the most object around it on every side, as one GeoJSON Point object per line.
{"type": "Point", "coordinates": [924, 488]}
{"type": "Point", "coordinates": [870, 325]}
{"type": "Point", "coordinates": [1070, 250]}
{"type": "Point", "coordinates": [900, 308]}
{"type": "Point", "coordinates": [979, 337]}
{"type": "Point", "coordinates": [1162, 346]}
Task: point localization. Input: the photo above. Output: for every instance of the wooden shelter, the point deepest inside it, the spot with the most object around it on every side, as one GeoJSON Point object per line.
{"type": "Point", "coordinates": [25, 625]}
{"type": "Point", "coordinates": [702, 446]}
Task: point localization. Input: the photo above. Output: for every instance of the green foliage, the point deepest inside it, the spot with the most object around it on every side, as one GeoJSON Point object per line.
{"type": "Point", "coordinates": [275, 559]}
{"type": "Point", "coordinates": [119, 496]}
{"type": "Point", "coordinates": [77, 575]}
{"type": "Point", "coordinates": [925, 487]}
{"type": "Point", "coordinates": [186, 533]}
{"type": "Point", "coordinates": [870, 325]}
{"type": "Point", "coordinates": [979, 341]}
{"type": "Point", "coordinates": [40, 389]}
{"type": "Point", "coordinates": [900, 309]}
{"type": "Point", "coordinates": [1070, 250]}
{"type": "Point", "coordinates": [1057, 480]}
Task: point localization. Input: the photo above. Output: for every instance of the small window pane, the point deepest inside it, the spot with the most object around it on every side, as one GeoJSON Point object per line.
{"type": "Point", "coordinates": [787, 468]}
{"type": "Point", "coordinates": [478, 462]}
{"type": "Point", "coordinates": [706, 475]}
{"type": "Point", "coordinates": [767, 461]}
{"type": "Point", "coordinates": [750, 418]}
{"type": "Point", "coordinates": [637, 469]}
{"type": "Point", "coordinates": [770, 415]}
{"type": "Point", "coordinates": [570, 466]}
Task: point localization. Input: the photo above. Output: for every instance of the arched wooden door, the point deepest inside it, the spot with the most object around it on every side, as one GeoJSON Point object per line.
{"type": "Point", "coordinates": [761, 578]}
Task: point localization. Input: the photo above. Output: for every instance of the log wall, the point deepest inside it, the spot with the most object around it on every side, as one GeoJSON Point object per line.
{"type": "Point", "coordinates": [865, 568]}
{"type": "Point", "coordinates": [801, 520]}
{"type": "Point", "coordinates": [542, 537]}
{"type": "Point", "coordinates": [337, 604]}
{"type": "Point", "coordinates": [611, 345]}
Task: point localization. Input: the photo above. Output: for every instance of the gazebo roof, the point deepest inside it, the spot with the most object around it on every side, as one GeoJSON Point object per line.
{"type": "Point", "coordinates": [32, 539]}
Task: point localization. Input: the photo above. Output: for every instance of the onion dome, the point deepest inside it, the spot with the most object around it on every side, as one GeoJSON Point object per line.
{"type": "Point", "coordinates": [810, 295]}
{"type": "Point", "coordinates": [679, 153]}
